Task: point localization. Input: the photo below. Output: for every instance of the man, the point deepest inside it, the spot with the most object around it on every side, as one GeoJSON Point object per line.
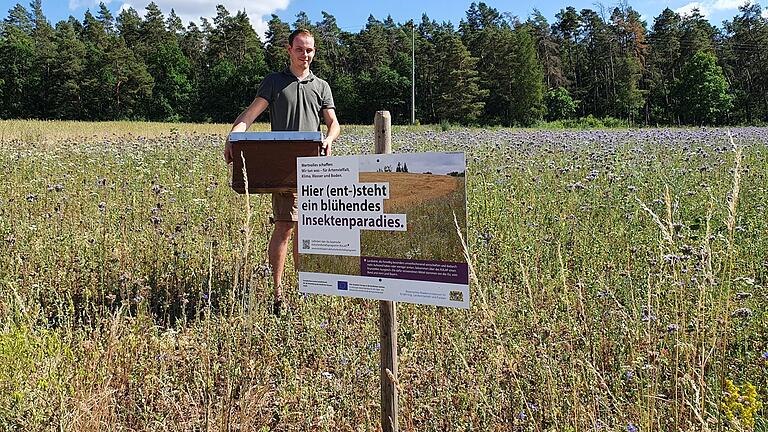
{"type": "Point", "coordinates": [297, 100]}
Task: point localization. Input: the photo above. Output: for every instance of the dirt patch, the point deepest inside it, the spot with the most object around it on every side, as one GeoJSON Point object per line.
{"type": "Point", "coordinates": [407, 189]}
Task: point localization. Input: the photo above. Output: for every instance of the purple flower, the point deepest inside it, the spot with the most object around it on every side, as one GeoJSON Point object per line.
{"type": "Point", "coordinates": [741, 313]}
{"type": "Point", "coordinates": [765, 356]}
{"type": "Point", "coordinates": [648, 316]}
{"type": "Point", "coordinates": [632, 428]}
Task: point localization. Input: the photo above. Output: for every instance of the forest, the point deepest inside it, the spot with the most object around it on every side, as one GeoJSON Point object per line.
{"type": "Point", "coordinates": [491, 69]}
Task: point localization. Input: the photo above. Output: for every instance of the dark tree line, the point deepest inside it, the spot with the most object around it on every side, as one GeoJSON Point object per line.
{"type": "Point", "coordinates": [492, 69]}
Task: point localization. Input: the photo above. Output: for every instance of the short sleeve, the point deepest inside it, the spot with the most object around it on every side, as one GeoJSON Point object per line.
{"type": "Point", "coordinates": [327, 102]}
{"type": "Point", "coordinates": [265, 89]}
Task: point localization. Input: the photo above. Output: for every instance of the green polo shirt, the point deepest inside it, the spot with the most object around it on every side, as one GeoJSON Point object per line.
{"type": "Point", "coordinates": [295, 105]}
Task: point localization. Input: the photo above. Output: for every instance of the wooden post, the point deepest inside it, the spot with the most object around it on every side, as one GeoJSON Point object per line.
{"type": "Point", "coordinates": [382, 124]}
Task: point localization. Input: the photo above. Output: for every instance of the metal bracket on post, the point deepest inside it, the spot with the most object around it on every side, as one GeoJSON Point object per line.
{"type": "Point", "coordinates": [382, 124]}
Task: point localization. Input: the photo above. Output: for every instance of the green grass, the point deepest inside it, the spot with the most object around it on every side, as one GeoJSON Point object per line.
{"type": "Point", "coordinates": [126, 303]}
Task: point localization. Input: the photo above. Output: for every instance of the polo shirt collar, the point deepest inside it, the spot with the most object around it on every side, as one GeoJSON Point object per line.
{"type": "Point", "coordinates": [309, 77]}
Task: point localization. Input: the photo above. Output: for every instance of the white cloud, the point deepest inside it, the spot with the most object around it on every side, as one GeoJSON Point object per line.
{"type": "Point", "coordinates": [126, 6]}
{"type": "Point", "coordinates": [765, 13]}
{"type": "Point", "coordinates": [727, 4]}
{"type": "Point", "coordinates": [688, 9]}
{"type": "Point", "coordinates": [709, 6]}
{"type": "Point", "coordinates": [77, 4]}
{"type": "Point", "coordinates": [192, 10]}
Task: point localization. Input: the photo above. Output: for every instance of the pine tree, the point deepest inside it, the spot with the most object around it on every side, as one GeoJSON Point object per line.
{"type": "Point", "coordinates": [548, 50]}
{"type": "Point", "coordinates": [129, 27]}
{"type": "Point", "coordinates": [235, 66]}
{"type": "Point", "coordinates": [40, 81]}
{"type": "Point", "coordinates": [566, 30]}
{"type": "Point", "coordinates": [277, 40]}
{"type": "Point", "coordinates": [427, 70]}
{"type": "Point", "coordinates": [490, 39]}
{"type": "Point", "coordinates": [369, 48]}
{"type": "Point", "coordinates": [67, 74]}
{"type": "Point", "coordinates": [459, 97]}
{"type": "Point", "coordinates": [629, 34]}
{"type": "Point", "coordinates": [598, 85]}
{"type": "Point", "coordinates": [106, 18]}
{"type": "Point", "coordinates": [527, 86]}
{"type": "Point", "coordinates": [302, 22]}
{"type": "Point", "coordinates": [17, 64]}
{"type": "Point", "coordinates": [192, 44]}
{"type": "Point", "coordinates": [174, 25]}
{"type": "Point", "coordinates": [746, 63]}
{"type": "Point", "coordinates": [664, 65]}
{"type": "Point", "coordinates": [128, 82]}
{"type": "Point", "coordinates": [331, 55]}
{"type": "Point", "coordinates": [697, 34]}
{"type": "Point", "coordinates": [169, 68]}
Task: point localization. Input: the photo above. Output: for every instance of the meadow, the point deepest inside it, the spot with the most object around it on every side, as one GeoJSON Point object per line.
{"type": "Point", "coordinates": [619, 285]}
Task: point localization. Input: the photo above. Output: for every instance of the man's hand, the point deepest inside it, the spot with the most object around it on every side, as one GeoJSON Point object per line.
{"type": "Point", "coordinates": [329, 115]}
{"type": "Point", "coordinates": [228, 151]}
{"type": "Point", "coordinates": [244, 121]}
{"type": "Point", "coordinates": [326, 146]}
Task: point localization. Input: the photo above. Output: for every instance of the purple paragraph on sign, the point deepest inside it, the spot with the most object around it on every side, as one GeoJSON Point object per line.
{"type": "Point", "coordinates": [432, 271]}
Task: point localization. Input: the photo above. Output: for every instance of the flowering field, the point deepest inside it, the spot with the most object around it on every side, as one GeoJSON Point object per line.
{"type": "Point", "coordinates": [619, 285]}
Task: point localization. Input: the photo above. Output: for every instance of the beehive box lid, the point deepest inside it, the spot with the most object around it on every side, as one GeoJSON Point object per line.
{"type": "Point", "coordinates": [276, 136]}
{"type": "Point", "coordinates": [270, 159]}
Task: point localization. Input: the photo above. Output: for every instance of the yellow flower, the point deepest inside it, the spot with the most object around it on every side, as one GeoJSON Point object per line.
{"type": "Point", "coordinates": [741, 404]}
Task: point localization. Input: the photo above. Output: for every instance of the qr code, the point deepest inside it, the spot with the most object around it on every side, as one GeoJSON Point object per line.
{"type": "Point", "coordinates": [457, 296]}
{"type": "Point", "coordinates": [305, 244]}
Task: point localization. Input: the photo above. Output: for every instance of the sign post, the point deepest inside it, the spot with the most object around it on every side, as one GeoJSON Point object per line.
{"type": "Point", "coordinates": [387, 310]}
{"type": "Point", "coordinates": [385, 227]}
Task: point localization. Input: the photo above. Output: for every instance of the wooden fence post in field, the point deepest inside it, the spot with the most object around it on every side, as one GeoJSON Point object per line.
{"type": "Point", "coordinates": [382, 124]}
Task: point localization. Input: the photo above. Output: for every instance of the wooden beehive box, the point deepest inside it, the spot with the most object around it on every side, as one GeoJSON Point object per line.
{"type": "Point", "coordinates": [270, 159]}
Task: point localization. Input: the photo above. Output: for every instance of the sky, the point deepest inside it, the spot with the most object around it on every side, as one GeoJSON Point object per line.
{"type": "Point", "coordinates": [435, 163]}
{"type": "Point", "coordinates": [351, 15]}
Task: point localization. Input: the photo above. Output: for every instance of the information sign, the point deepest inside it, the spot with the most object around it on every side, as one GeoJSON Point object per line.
{"type": "Point", "coordinates": [384, 227]}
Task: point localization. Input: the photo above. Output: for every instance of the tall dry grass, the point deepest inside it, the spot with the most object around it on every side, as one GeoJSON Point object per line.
{"type": "Point", "coordinates": [609, 301]}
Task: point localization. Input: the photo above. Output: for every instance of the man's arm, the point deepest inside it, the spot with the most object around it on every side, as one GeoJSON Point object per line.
{"type": "Point", "coordinates": [244, 121]}
{"type": "Point", "coordinates": [329, 114]}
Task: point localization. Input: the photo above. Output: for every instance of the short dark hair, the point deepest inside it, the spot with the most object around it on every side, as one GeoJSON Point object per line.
{"type": "Point", "coordinates": [297, 32]}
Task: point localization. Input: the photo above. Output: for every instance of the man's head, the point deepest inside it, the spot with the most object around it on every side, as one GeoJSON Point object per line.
{"type": "Point", "coordinates": [301, 48]}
